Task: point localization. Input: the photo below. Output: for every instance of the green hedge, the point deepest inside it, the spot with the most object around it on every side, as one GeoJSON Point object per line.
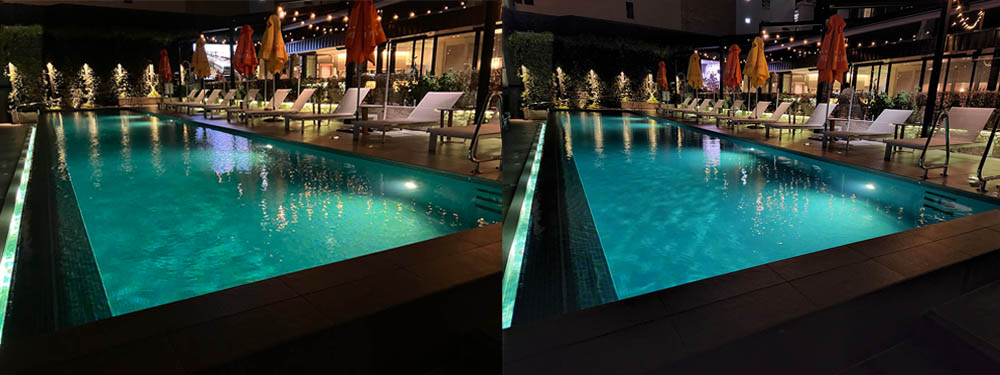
{"type": "Point", "coordinates": [22, 47]}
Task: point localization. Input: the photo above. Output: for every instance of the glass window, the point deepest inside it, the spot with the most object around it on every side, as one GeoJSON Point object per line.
{"type": "Point", "coordinates": [455, 52]}
{"type": "Point", "coordinates": [403, 60]}
{"type": "Point", "coordinates": [881, 77]}
{"type": "Point", "coordinates": [925, 86]}
{"type": "Point", "coordinates": [983, 66]}
{"type": "Point", "coordinates": [425, 57]}
{"type": "Point", "coordinates": [959, 74]}
{"type": "Point", "coordinates": [905, 77]}
{"type": "Point", "coordinates": [497, 61]}
{"type": "Point", "coordinates": [864, 79]}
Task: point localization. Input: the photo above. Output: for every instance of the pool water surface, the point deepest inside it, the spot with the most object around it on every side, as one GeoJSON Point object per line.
{"type": "Point", "coordinates": [174, 210]}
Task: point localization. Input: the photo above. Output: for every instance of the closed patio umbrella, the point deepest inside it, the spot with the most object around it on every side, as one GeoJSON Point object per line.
{"type": "Point", "coordinates": [364, 33]}
{"type": "Point", "coordinates": [832, 61]}
{"type": "Point", "coordinates": [164, 67]}
{"type": "Point", "coordinates": [733, 77]}
{"type": "Point", "coordinates": [199, 62]}
{"type": "Point", "coordinates": [694, 71]}
{"type": "Point", "coordinates": [661, 76]}
{"type": "Point", "coordinates": [272, 47]}
{"type": "Point", "coordinates": [245, 59]}
{"type": "Point", "coordinates": [756, 66]}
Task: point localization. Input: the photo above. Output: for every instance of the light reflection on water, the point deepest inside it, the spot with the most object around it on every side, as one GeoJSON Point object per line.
{"type": "Point", "coordinates": [701, 206]}
{"type": "Point", "coordinates": [174, 211]}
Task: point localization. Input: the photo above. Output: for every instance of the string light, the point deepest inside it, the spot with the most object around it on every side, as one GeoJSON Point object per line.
{"type": "Point", "coordinates": [965, 20]}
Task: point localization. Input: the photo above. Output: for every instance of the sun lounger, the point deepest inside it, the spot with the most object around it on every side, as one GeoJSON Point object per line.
{"type": "Point", "coordinates": [757, 112]}
{"type": "Point", "coordinates": [695, 109]}
{"type": "Point", "coordinates": [773, 119]}
{"type": "Point", "coordinates": [297, 106]}
{"type": "Point", "coordinates": [715, 110]}
{"type": "Point", "coordinates": [212, 98]}
{"type": "Point", "coordinates": [476, 132]}
{"type": "Point", "coordinates": [970, 121]}
{"type": "Point", "coordinates": [229, 104]}
{"type": "Point", "coordinates": [682, 104]}
{"type": "Point", "coordinates": [816, 121]}
{"type": "Point", "coordinates": [681, 107]}
{"type": "Point", "coordinates": [175, 105]}
{"type": "Point", "coordinates": [276, 100]}
{"type": "Point", "coordinates": [424, 114]}
{"type": "Point", "coordinates": [345, 110]}
{"type": "Point", "coordinates": [883, 126]}
{"type": "Point", "coordinates": [190, 96]}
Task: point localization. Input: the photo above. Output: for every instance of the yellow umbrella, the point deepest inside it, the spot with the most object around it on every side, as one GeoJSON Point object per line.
{"type": "Point", "coordinates": [756, 67]}
{"type": "Point", "coordinates": [199, 63]}
{"type": "Point", "coordinates": [272, 47]}
{"type": "Point", "coordinates": [694, 71]}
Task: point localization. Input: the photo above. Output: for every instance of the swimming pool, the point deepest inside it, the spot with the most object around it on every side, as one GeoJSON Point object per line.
{"type": "Point", "coordinates": [671, 205]}
{"type": "Point", "coordinates": [173, 210]}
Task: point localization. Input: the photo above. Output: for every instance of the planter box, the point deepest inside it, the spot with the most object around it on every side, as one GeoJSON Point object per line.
{"type": "Point", "coordinates": [536, 114]}
{"type": "Point", "coordinates": [641, 106]}
{"type": "Point", "coordinates": [24, 117]}
{"type": "Point", "coordinates": [138, 102]}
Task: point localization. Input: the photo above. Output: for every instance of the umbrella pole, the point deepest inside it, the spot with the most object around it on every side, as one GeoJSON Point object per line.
{"type": "Point", "coordinates": [385, 103]}
{"type": "Point", "coordinates": [357, 80]}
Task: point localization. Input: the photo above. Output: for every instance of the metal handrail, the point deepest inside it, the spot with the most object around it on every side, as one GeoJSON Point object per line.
{"type": "Point", "coordinates": [986, 153]}
{"type": "Point", "coordinates": [479, 119]}
{"type": "Point", "coordinates": [947, 145]}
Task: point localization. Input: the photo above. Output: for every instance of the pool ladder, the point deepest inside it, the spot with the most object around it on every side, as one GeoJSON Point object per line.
{"type": "Point", "coordinates": [983, 180]}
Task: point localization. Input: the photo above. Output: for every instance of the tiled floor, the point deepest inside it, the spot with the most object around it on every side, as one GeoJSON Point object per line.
{"type": "Point", "coordinates": [654, 332]}
{"type": "Point", "coordinates": [408, 146]}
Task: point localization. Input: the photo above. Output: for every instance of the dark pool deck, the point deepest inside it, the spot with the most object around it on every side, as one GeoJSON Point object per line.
{"type": "Point", "coordinates": [822, 312]}
{"type": "Point", "coordinates": [368, 314]}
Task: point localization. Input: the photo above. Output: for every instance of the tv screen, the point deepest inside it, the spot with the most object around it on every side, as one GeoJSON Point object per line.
{"type": "Point", "coordinates": [218, 58]}
{"type": "Point", "coordinates": [710, 74]}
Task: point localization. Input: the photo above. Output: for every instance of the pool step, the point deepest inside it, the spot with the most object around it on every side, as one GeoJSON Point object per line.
{"type": "Point", "coordinates": [489, 200]}
{"type": "Point", "coordinates": [940, 203]}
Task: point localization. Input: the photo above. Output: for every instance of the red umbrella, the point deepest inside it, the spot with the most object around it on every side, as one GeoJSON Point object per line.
{"type": "Point", "coordinates": [245, 59]}
{"type": "Point", "coordinates": [364, 32]}
{"type": "Point", "coordinates": [832, 61]}
{"type": "Point", "coordinates": [661, 76]}
{"type": "Point", "coordinates": [733, 77]}
{"type": "Point", "coordinates": [164, 66]}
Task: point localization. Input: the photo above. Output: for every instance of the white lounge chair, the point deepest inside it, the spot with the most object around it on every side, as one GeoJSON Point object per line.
{"type": "Point", "coordinates": [345, 110]}
{"type": "Point", "coordinates": [176, 105]}
{"type": "Point", "coordinates": [970, 121]}
{"type": "Point", "coordinates": [300, 102]}
{"type": "Point", "coordinates": [716, 109]}
{"type": "Point", "coordinates": [882, 127]}
{"type": "Point", "coordinates": [703, 106]}
{"type": "Point", "coordinates": [757, 112]}
{"type": "Point", "coordinates": [190, 96]}
{"type": "Point", "coordinates": [424, 114]}
{"type": "Point", "coordinates": [773, 119]}
{"type": "Point", "coordinates": [816, 121]}
{"type": "Point", "coordinates": [476, 132]}
{"type": "Point", "coordinates": [229, 103]}
{"type": "Point", "coordinates": [276, 100]}
{"type": "Point", "coordinates": [212, 98]}
{"type": "Point", "coordinates": [682, 104]}
{"type": "Point", "coordinates": [686, 106]}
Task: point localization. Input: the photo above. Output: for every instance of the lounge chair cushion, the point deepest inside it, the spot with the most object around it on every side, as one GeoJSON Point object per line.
{"type": "Point", "coordinates": [918, 143]}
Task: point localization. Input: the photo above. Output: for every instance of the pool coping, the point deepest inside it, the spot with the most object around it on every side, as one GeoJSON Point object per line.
{"type": "Point", "coordinates": [296, 304]}
{"type": "Point", "coordinates": [775, 292]}
{"type": "Point", "coordinates": [10, 218]}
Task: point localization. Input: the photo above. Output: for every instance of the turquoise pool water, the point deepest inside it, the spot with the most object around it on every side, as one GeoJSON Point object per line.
{"type": "Point", "coordinates": [672, 205]}
{"type": "Point", "coordinates": [173, 210]}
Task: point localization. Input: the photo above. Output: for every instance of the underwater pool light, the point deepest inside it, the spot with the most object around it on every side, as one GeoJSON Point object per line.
{"type": "Point", "coordinates": [870, 186]}
{"type": "Point", "coordinates": [410, 185]}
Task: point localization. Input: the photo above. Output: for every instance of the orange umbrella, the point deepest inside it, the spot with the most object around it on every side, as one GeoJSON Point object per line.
{"type": "Point", "coordinates": [164, 68]}
{"type": "Point", "coordinates": [832, 61]}
{"type": "Point", "coordinates": [245, 60]}
{"type": "Point", "coordinates": [661, 76]}
{"type": "Point", "coordinates": [733, 77]}
{"type": "Point", "coordinates": [364, 32]}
